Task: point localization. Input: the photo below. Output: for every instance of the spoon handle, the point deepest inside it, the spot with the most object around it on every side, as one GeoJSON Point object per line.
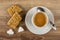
{"type": "Point", "coordinates": [54, 26]}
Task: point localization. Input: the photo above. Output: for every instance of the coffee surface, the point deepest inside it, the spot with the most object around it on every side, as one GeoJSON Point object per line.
{"type": "Point", "coordinates": [39, 19]}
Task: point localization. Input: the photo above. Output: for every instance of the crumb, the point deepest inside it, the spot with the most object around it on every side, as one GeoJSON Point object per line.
{"type": "Point", "coordinates": [10, 32]}
{"type": "Point", "coordinates": [20, 29]}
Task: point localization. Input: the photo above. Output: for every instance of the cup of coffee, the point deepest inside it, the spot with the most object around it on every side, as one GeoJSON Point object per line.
{"type": "Point", "coordinates": [40, 19]}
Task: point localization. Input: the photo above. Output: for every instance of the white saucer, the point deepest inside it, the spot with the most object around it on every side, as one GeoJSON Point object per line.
{"type": "Point", "coordinates": [36, 30]}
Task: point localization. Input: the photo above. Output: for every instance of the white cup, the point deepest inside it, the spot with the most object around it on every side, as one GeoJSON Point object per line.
{"type": "Point", "coordinates": [47, 20]}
